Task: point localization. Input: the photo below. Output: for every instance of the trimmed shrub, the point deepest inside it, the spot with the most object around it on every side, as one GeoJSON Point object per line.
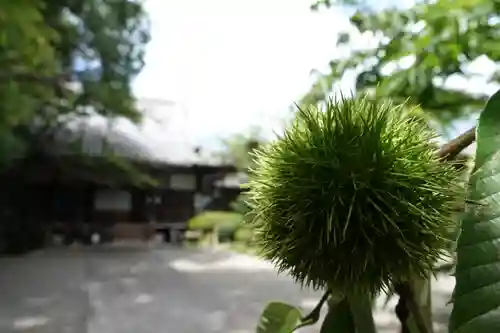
{"type": "Point", "coordinates": [244, 235]}
{"type": "Point", "coordinates": [225, 222]}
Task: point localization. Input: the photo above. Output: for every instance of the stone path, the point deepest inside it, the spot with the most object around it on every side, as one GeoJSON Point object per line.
{"type": "Point", "coordinates": [136, 289]}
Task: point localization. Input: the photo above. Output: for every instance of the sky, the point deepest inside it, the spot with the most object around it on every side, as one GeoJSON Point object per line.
{"type": "Point", "coordinates": [234, 64]}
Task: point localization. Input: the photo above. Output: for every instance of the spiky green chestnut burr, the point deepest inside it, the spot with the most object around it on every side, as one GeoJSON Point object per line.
{"type": "Point", "coordinates": [352, 196]}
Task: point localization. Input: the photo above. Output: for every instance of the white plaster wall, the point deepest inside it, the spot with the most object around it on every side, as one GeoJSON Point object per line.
{"type": "Point", "coordinates": [113, 200]}
{"type": "Point", "coordinates": [183, 182]}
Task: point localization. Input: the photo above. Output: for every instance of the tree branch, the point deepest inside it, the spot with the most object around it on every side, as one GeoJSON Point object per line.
{"type": "Point", "coordinates": [313, 317]}
{"type": "Point", "coordinates": [402, 310]}
{"type": "Point", "coordinates": [451, 149]}
{"type": "Point", "coordinates": [406, 306]}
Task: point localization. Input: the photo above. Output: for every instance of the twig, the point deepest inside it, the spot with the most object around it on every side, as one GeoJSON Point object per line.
{"type": "Point", "coordinates": [313, 316]}
{"type": "Point", "coordinates": [452, 148]}
{"type": "Point", "coordinates": [405, 293]}
{"type": "Point", "coordinates": [402, 310]}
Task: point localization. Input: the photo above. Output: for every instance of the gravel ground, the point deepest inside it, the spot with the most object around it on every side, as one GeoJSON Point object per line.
{"type": "Point", "coordinates": [141, 289]}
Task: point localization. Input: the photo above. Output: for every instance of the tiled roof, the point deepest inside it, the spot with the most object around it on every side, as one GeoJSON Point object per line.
{"type": "Point", "coordinates": [94, 138]}
{"type": "Point", "coordinates": [163, 136]}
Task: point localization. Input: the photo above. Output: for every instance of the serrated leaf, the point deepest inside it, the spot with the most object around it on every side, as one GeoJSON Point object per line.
{"type": "Point", "coordinates": [338, 319]}
{"type": "Point", "coordinates": [476, 296]}
{"type": "Point", "coordinates": [278, 317]}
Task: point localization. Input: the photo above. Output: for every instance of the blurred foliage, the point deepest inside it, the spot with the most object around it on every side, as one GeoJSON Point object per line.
{"type": "Point", "coordinates": [240, 205]}
{"type": "Point", "coordinates": [64, 59]}
{"type": "Point", "coordinates": [237, 148]}
{"type": "Point", "coordinates": [320, 4]}
{"type": "Point", "coordinates": [244, 235]}
{"type": "Point", "coordinates": [61, 60]}
{"type": "Point", "coordinates": [238, 151]}
{"type": "Point", "coordinates": [419, 48]}
{"type": "Point", "coordinates": [209, 220]}
{"type": "Point", "coordinates": [224, 224]}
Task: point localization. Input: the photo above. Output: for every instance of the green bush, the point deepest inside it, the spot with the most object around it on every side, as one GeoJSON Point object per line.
{"type": "Point", "coordinates": [226, 233]}
{"type": "Point", "coordinates": [240, 205]}
{"type": "Point", "coordinates": [225, 222]}
{"type": "Point", "coordinates": [244, 235]}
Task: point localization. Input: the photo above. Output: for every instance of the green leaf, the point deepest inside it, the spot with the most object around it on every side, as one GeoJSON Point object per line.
{"type": "Point", "coordinates": [429, 40]}
{"type": "Point", "coordinates": [278, 317]}
{"type": "Point", "coordinates": [477, 292]}
{"type": "Point", "coordinates": [338, 319]}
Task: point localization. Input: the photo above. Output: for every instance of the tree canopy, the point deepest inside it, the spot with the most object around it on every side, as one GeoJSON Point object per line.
{"type": "Point", "coordinates": [66, 58]}
{"type": "Point", "coordinates": [418, 50]}
{"type": "Point", "coordinates": [237, 148]}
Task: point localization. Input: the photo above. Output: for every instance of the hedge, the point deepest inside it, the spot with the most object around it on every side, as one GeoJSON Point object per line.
{"type": "Point", "coordinates": [208, 220]}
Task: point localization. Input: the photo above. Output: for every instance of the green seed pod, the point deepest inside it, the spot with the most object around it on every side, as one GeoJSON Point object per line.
{"type": "Point", "coordinates": [353, 196]}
